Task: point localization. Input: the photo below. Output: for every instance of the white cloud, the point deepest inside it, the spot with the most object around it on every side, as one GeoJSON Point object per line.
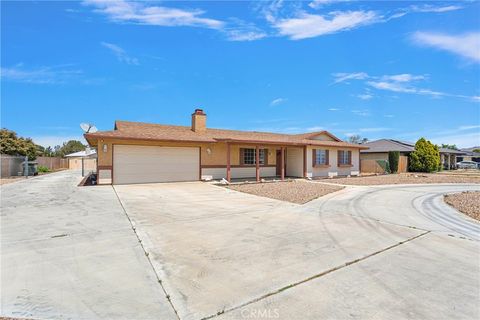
{"type": "Point", "coordinates": [404, 77]}
{"type": "Point", "coordinates": [436, 9]}
{"type": "Point", "coordinates": [141, 13]}
{"type": "Point", "coordinates": [239, 30]}
{"type": "Point", "coordinates": [121, 55]}
{"type": "Point", "coordinates": [389, 116]}
{"type": "Point", "coordinates": [365, 96]}
{"type": "Point", "coordinates": [465, 45]}
{"type": "Point", "coordinates": [361, 113]}
{"type": "Point", "coordinates": [276, 102]}
{"type": "Point", "coordinates": [306, 25]}
{"type": "Point", "coordinates": [316, 4]}
{"type": "Point", "coordinates": [40, 75]}
{"type": "Point", "coordinates": [400, 87]}
{"type": "Point", "coordinates": [314, 129]}
{"type": "Point", "coordinates": [341, 77]}
{"type": "Point", "coordinates": [377, 129]}
{"type": "Point", "coordinates": [468, 127]}
{"type": "Point", "coordinates": [464, 140]}
{"type": "Point", "coordinates": [397, 83]}
{"type": "Point", "coordinates": [333, 109]}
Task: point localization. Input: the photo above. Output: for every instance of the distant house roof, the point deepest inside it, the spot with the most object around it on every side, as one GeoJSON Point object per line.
{"type": "Point", "coordinates": [149, 131]}
{"type": "Point", "coordinates": [386, 145]}
{"type": "Point", "coordinates": [469, 151]}
{"type": "Point", "coordinates": [87, 153]}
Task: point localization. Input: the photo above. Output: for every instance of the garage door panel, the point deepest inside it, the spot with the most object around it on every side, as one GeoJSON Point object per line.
{"type": "Point", "coordinates": [148, 164]}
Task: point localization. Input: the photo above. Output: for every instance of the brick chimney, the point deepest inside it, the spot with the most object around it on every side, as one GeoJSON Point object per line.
{"type": "Point", "coordinates": [199, 121]}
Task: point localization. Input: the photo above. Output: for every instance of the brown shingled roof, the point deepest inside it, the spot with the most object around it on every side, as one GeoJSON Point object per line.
{"type": "Point", "coordinates": [149, 131]}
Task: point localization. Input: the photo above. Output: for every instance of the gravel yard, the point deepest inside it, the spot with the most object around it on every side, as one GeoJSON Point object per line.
{"type": "Point", "coordinates": [406, 178]}
{"type": "Point", "coordinates": [466, 202]}
{"type": "Point", "coordinates": [295, 191]}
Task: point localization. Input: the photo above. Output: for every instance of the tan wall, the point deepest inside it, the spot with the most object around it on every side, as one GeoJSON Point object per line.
{"type": "Point", "coordinates": [217, 156]}
{"type": "Point", "coordinates": [323, 137]}
{"type": "Point", "coordinates": [374, 156]}
{"type": "Point", "coordinates": [333, 168]}
{"type": "Point", "coordinates": [89, 164]}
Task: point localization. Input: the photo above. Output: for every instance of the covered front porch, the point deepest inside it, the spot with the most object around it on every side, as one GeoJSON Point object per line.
{"type": "Point", "coordinates": [248, 161]}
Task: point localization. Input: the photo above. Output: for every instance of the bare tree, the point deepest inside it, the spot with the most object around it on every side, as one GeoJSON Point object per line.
{"type": "Point", "coordinates": [357, 139]}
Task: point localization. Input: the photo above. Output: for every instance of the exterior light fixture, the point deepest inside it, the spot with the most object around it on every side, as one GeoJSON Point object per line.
{"type": "Point", "coordinates": [209, 151]}
{"type": "Point", "coordinates": [105, 147]}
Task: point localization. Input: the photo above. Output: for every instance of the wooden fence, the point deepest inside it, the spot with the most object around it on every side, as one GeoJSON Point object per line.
{"type": "Point", "coordinates": [380, 166]}
{"type": "Point", "coordinates": [372, 166]}
{"type": "Point", "coordinates": [403, 164]}
{"type": "Point", "coordinates": [53, 163]}
{"type": "Point", "coordinates": [11, 165]}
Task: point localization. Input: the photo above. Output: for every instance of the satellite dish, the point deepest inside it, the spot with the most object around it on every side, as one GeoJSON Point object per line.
{"type": "Point", "coordinates": [85, 126]}
{"type": "Point", "coordinates": [88, 128]}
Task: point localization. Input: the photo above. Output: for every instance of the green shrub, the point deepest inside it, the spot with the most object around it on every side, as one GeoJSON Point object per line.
{"type": "Point", "coordinates": [43, 169]}
{"type": "Point", "coordinates": [425, 158]}
{"type": "Point", "coordinates": [393, 158]}
{"type": "Point", "coordinates": [384, 165]}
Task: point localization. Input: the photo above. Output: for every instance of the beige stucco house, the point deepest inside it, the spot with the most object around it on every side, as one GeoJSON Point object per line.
{"type": "Point", "coordinates": [137, 152]}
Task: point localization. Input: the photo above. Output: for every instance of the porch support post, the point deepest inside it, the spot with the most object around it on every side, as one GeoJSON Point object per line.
{"type": "Point", "coordinates": [257, 163]}
{"type": "Point", "coordinates": [449, 156]}
{"type": "Point", "coordinates": [229, 175]}
{"type": "Point", "coordinates": [282, 163]}
{"type": "Point", "coordinates": [305, 161]}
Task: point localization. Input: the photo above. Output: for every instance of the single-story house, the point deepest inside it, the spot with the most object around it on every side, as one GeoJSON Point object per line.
{"type": "Point", "coordinates": [378, 150]}
{"type": "Point", "coordinates": [136, 152]}
{"type": "Point", "coordinates": [87, 156]}
{"type": "Point", "coordinates": [469, 155]}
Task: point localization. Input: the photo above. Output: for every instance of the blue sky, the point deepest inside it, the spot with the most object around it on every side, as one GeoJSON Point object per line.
{"type": "Point", "coordinates": [378, 69]}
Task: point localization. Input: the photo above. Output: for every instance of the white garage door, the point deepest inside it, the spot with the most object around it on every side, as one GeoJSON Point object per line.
{"type": "Point", "coordinates": [143, 164]}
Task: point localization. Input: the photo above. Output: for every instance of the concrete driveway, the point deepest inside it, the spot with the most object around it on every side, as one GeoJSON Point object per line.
{"type": "Point", "coordinates": [364, 252]}
{"type": "Point", "coordinates": [70, 253]}
{"type": "Point", "coordinates": [382, 252]}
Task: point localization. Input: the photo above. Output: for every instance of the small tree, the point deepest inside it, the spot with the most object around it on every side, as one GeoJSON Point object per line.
{"type": "Point", "coordinates": [425, 158]}
{"type": "Point", "coordinates": [449, 146]}
{"type": "Point", "coordinates": [68, 147]}
{"type": "Point", "coordinates": [393, 158]}
{"type": "Point", "coordinates": [11, 144]}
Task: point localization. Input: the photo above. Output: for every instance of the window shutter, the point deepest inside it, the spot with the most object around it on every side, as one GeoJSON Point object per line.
{"type": "Point", "coordinates": [350, 157]}
{"type": "Point", "coordinates": [339, 153]}
{"type": "Point", "coordinates": [242, 158]}
{"type": "Point", "coordinates": [327, 156]}
{"type": "Point", "coordinates": [314, 157]}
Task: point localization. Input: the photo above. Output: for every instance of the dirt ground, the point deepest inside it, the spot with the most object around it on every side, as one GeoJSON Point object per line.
{"type": "Point", "coordinates": [10, 180]}
{"type": "Point", "coordinates": [466, 202]}
{"type": "Point", "coordinates": [295, 191]}
{"type": "Point", "coordinates": [405, 178]}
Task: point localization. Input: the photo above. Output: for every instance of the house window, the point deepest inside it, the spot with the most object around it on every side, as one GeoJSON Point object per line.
{"type": "Point", "coordinates": [249, 156]}
{"type": "Point", "coordinates": [321, 157]}
{"type": "Point", "coordinates": [344, 157]}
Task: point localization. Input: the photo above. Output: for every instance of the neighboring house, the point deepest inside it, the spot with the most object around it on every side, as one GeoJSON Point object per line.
{"type": "Point", "coordinates": [87, 156]}
{"type": "Point", "coordinates": [378, 150]}
{"type": "Point", "coordinates": [137, 152]}
{"type": "Point", "coordinates": [469, 155]}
